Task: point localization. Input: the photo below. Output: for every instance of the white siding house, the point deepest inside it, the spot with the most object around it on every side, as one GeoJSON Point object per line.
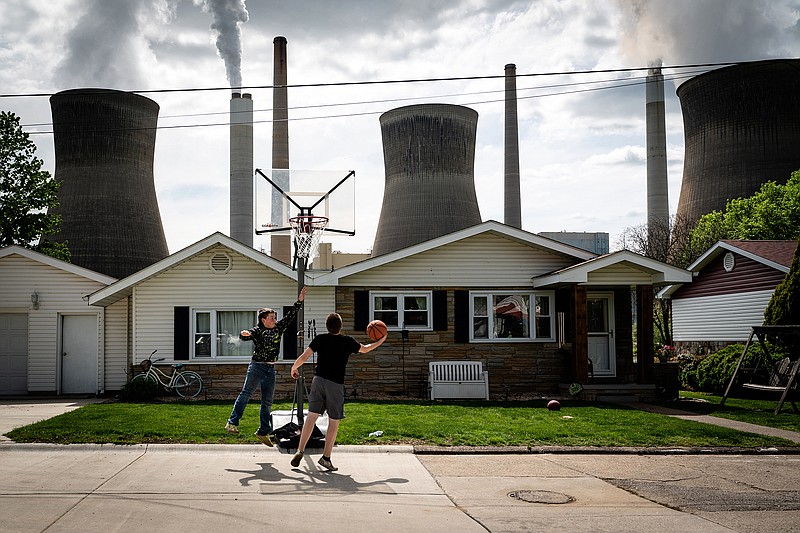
{"type": "Point", "coordinates": [191, 305]}
{"type": "Point", "coordinates": [51, 340]}
{"type": "Point", "coordinates": [534, 310]}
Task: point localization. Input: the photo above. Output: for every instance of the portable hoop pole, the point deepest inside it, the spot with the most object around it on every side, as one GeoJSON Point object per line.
{"type": "Point", "coordinates": [300, 386]}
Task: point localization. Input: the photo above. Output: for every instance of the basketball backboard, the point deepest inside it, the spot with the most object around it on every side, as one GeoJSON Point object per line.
{"type": "Point", "coordinates": [281, 194]}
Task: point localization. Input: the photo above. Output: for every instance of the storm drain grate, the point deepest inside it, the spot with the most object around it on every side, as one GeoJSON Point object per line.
{"type": "Point", "coordinates": [541, 496]}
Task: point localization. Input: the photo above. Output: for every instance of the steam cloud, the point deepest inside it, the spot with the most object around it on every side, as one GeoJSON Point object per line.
{"type": "Point", "coordinates": [108, 46]}
{"type": "Point", "coordinates": [688, 31]}
{"type": "Point", "coordinates": [226, 17]}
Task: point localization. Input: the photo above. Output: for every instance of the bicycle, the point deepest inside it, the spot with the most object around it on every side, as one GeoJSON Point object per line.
{"type": "Point", "coordinates": [186, 383]}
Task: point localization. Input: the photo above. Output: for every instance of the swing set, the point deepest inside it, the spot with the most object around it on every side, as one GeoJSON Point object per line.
{"type": "Point", "coordinates": [782, 377]}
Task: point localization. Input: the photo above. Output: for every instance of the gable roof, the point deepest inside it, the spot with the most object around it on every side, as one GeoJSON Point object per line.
{"type": "Point", "coordinates": [774, 254]}
{"type": "Point", "coordinates": [616, 268]}
{"type": "Point", "coordinates": [124, 287]}
{"type": "Point", "coordinates": [488, 227]}
{"type": "Point", "coordinates": [56, 263]}
{"type": "Point", "coordinates": [778, 252]}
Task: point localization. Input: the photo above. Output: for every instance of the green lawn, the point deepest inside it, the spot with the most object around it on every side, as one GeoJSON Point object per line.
{"type": "Point", "coordinates": [402, 422]}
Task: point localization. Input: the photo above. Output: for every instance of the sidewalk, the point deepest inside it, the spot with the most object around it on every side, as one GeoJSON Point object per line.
{"type": "Point", "coordinates": [793, 436]}
{"type": "Point", "coordinates": [86, 488]}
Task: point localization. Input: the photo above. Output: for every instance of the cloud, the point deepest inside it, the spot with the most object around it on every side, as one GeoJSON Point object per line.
{"type": "Point", "coordinates": [107, 46]}
{"type": "Point", "coordinates": [688, 31]}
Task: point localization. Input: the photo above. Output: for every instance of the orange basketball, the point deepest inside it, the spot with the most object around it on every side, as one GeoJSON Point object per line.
{"type": "Point", "coordinates": [376, 330]}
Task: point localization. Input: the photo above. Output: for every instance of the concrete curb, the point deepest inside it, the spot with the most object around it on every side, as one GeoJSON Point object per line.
{"type": "Point", "coordinates": [563, 450]}
{"type": "Point", "coordinates": [407, 449]}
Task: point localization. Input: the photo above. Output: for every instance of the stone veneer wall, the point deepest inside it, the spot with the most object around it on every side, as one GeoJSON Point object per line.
{"type": "Point", "coordinates": [514, 368]}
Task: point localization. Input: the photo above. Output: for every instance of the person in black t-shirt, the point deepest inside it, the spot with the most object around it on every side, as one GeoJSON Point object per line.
{"type": "Point", "coordinates": [333, 351]}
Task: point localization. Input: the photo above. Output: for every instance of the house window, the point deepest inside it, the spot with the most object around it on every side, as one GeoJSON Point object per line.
{"type": "Point", "coordinates": [406, 310]}
{"type": "Point", "coordinates": [215, 333]}
{"type": "Point", "coordinates": [511, 316]}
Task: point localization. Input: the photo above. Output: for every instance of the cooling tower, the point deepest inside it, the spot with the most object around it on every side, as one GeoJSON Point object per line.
{"type": "Point", "coordinates": [241, 168]}
{"type": "Point", "coordinates": [741, 129]}
{"type": "Point", "coordinates": [104, 147]}
{"type": "Point", "coordinates": [429, 157]}
{"type": "Point", "coordinates": [513, 201]}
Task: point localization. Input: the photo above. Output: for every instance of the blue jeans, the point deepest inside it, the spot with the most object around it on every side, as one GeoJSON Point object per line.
{"type": "Point", "coordinates": [258, 375]}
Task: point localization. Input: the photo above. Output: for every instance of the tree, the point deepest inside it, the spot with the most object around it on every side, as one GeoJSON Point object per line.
{"type": "Point", "coordinates": [26, 193]}
{"type": "Point", "coordinates": [772, 213]}
{"type": "Point", "coordinates": [665, 242]}
{"type": "Point", "coordinates": [784, 306]}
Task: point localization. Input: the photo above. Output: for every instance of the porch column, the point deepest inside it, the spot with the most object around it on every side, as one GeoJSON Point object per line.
{"type": "Point", "coordinates": [580, 351]}
{"type": "Point", "coordinates": [644, 334]}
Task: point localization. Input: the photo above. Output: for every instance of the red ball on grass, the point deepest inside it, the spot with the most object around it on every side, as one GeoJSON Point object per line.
{"type": "Point", "coordinates": [554, 405]}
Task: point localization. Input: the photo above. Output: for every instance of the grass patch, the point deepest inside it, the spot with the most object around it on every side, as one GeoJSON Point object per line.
{"type": "Point", "coordinates": [402, 422]}
{"type": "Point", "coordinates": [753, 411]}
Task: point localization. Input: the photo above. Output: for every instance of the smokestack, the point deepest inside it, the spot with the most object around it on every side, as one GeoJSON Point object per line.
{"type": "Point", "coordinates": [104, 146]}
{"type": "Point", "coordinates": [280, 245]}
{"type": "Point", "coordinates": [429, 157]}
{"type": "Point", "coordinates": [741, 130]}
{"type": "Point", "coordinates": [513, 201]}
{"type": "Point", "coordinates": [241, 168]}
{"type": "Point", "coordinates": [657, 188]}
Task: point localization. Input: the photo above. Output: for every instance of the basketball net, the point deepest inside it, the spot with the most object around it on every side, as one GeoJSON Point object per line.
{"type": "Point", "coordinates": [307, 231]}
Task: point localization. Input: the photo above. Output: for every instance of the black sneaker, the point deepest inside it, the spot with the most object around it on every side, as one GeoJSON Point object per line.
{"type": "Point", "coordinates": [297, 458]}
{"type": "Point", "coordinates": [326, 463]}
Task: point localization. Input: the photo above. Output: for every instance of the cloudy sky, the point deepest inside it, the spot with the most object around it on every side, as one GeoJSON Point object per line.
{"type": "Point", "coordinates": [582, 140]}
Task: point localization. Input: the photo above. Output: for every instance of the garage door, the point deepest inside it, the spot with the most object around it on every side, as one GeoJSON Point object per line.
{"type": "Point", "coordinates": [13, 353]}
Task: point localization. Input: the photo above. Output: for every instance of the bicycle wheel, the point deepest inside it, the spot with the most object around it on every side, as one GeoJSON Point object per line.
{"type": "Point", "coordinates": [188, 384]}
{"type": "Point", "coordinates": [149, 378]}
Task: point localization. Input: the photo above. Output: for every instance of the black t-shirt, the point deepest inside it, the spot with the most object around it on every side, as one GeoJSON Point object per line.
{"type": "Point", "coordinates": [333, 352]}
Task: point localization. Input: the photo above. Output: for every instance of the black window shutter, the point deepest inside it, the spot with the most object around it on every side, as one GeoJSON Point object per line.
{"type": "Point", "coordinates": [360, 310]}
{"type": "Point", "coordinates": [181, 328]}
{"type": "Point", "coordinates": [290, 336]}
{"type": "Point", "coordinates": [461, 316]}
{"type": "Point", "coordinates": [440, 310]}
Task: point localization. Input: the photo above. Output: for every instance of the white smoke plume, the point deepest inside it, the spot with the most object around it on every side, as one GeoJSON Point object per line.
{"type": "Point", "coordinates": [109, 46]}
{"type": "Point", "coordinates": [226, 17]}
{"type": "Point", "coordinates": [708, 31]}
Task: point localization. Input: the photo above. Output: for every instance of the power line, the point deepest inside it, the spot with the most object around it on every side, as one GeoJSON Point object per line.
{"type": "Point", "coordinates": [615, 83]}
{"type": "Point", "coordinates": [397, 81]}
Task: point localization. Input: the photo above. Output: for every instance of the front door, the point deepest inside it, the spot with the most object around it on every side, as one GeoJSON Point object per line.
{"type": "Point", "coordinates": [79, 354]}
{"type": "Point", "coordinates": [601, 333]}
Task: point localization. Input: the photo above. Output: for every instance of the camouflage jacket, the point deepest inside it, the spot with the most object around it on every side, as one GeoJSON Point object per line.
{"type": "Point", "coordinates": [267, 341]}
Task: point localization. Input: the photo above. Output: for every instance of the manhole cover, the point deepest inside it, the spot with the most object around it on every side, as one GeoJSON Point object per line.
{"type": "Point", "coordinates": [541, 496]}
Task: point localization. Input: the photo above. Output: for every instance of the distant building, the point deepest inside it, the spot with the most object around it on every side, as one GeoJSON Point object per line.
{"type": "Point", "coordinates": [596, 242]}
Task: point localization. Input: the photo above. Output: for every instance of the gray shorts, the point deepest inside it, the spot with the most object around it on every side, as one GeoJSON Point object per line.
{"type": "Point", "coordinates": [326, 395]}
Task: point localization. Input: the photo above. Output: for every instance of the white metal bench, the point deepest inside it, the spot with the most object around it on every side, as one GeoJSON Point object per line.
{"type": "Point", "coordinates": [458, 379]}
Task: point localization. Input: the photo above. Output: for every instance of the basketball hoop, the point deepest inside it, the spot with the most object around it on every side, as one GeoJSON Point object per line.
{"type": "Point", "coordinates": [306, 231]}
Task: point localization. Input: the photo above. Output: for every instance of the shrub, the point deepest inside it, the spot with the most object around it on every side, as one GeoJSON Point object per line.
{"type": "Point", "coordinates": [140, 390]}
{"type": "Point", "coordinates": [688, 373]}
{"type": "Point", "coordinates": [713, 373]}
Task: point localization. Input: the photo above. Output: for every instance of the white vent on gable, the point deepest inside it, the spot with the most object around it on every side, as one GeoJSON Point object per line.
{"type": "Point", "coordinates": [220, 263]}
{"type": "Point", "coordinates": [728, 262]}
